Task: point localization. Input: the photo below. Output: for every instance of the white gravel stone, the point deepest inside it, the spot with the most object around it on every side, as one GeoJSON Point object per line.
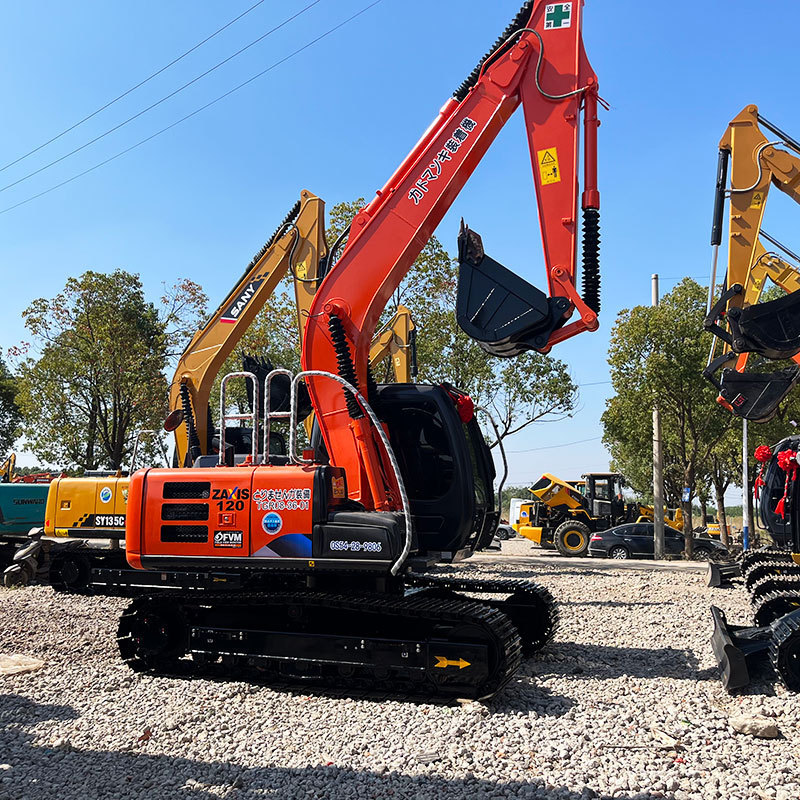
{"type": "Point", "coordinates": [632, 657]}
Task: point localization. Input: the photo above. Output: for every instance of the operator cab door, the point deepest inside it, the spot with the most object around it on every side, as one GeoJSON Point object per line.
{"type": "Point", "coordinates": [601, 490]}
{"type": "Point", "coordinates": [447, 473]}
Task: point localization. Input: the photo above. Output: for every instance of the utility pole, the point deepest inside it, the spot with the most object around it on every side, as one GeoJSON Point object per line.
{"type": "Point", "coordinates": [658, 465]}
{"type": "Point", "coordinates": [745, 490]}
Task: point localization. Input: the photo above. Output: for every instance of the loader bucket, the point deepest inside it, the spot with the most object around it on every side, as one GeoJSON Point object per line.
{"type": "Point", "coordinates": [722, 574]}
{"type": "Point", "coordinates": [498, 309]}
{"type": "Point", "coordinates": [757, 395]}
{"type": "Point", "coordinates": [771, 329]}
{"type": "Point", "coordinates": [736, 648]}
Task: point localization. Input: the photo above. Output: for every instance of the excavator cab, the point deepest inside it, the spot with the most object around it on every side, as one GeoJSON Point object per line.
{"type": "Point", "coordinates": [497, 308]}
{"type": "Point", "coordinates": [446, 466]}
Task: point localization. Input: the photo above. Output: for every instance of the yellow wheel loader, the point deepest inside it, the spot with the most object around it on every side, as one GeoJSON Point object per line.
{"type": "Point", "coordinates": [564, 514]}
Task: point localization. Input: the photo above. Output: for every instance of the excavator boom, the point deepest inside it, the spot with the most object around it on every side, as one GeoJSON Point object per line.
{"type": "Point", "coordinates": [298, 245]}
{"type": "Point", "coordinates": [539, 62]}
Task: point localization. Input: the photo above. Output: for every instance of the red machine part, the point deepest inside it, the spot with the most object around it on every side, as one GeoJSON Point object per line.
{"type": "Point", "coordinates": [237, 512]}
{"type": "Point", "coordinates": [543, 67]}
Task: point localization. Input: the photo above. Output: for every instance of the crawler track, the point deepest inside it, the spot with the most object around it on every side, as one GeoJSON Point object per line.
{"type": "Point", "coordinates": [419, 646]}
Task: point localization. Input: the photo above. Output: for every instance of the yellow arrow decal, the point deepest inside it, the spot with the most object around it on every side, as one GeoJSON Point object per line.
{"type": "Point", "coordinates": [443, 662]}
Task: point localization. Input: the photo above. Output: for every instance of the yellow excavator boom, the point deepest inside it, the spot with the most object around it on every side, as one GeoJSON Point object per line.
{"type": "Point", "coordinates": [298, 245]}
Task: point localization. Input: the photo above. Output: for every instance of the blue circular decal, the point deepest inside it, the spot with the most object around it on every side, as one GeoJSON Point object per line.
{"type": "Point", "coordinates": [272, 523]}
{"type": "Point", "coordinates": [105, 494]}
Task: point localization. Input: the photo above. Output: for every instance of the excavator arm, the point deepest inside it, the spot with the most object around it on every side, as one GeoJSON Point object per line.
{"type": "Point", "coordinates": [738, 319]}
{"type": "Point", "coordinates": [540, 63]}
{"type": "Point", "coordinates": [297, 245]}
{"type": "Point", "coordinates": [397, 341]}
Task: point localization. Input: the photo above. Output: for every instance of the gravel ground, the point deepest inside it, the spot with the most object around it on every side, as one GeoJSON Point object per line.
{"type": "Point", "coordinates": [595, 715]}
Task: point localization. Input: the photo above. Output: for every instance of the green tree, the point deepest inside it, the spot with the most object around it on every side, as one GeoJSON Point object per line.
{"type": "Point", "coordinates": [9, 409]}
{"type": "Point", "coordinates": [94, 375]}
{"type": "Point", "coordinates": [657, 354]}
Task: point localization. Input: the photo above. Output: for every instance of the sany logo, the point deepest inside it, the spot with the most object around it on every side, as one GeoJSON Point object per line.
{"type": "Point", "coordinates": [234, 310]}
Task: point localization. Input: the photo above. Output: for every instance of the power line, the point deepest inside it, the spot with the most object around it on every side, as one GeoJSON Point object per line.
{"type": "Point", "coordinates": [554, 446]}
{"type": "Point", "coordinates": [162, 100]}
{"type": "Point", "coordinates": [133, 88]}
{"type": "Point", "coordinates": [193, 113]}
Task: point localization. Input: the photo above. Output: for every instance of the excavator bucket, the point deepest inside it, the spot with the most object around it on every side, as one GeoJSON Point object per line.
{"type": "Point", "coordinates": [771, 329]}
{"type": "Point", "coordinates": [736, 649]}
{"type": "Point", "coordinates": [498, 309]}
{"type": "Point", "coordinates": [756, 395]}
{"type": "Point", "coordinates": [720, 575]}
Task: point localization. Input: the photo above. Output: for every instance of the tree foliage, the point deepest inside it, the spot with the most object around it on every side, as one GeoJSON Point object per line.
{"type": "Point", "coordinates": [94, 374]}
{"type": "Point", "coordinates": [9, 410]}
{"type": "Point", "coordinates": [657, 355]}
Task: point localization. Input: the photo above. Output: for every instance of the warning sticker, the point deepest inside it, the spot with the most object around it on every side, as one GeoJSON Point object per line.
{"type": "Point", "coordinates": [548, 166]}
{"type": "Point", "coordinates": [758, 200]}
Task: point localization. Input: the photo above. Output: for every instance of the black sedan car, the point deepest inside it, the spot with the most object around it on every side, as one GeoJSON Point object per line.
{"type": "Point", "coordinates": [635, 540]}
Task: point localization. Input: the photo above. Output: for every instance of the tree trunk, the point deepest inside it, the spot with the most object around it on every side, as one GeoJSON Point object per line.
{"type": "Point", "coordinates": [722, 517]}
{"type": "Point", "coordinates": [704, 509]}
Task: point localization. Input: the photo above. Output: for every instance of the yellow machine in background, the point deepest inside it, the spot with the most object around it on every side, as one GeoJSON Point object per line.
{"type": "Point", "coordinates": [738, 319]}
{"type": "Point", "coordinates": [564, 514]}
{"type": "Point", "coordinates": [397, 340]}
{"type": "Point", "coordinates": [94, 507]}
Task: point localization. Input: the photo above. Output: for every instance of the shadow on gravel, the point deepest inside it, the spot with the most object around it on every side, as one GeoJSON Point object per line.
{"type": "Point", "coordinates": [616, 603]}
{"type": "Point", "coordinates": [71, 773]}
{"type": "Point", "coordinates": [601, 661]}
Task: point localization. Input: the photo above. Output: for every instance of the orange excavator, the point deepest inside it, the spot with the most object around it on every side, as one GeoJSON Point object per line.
{"type": "Point", "coordinates": [323, 563]}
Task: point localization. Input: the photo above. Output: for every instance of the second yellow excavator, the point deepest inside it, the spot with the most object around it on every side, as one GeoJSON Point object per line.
{"type": "Point", "coordinates": [93, 507]}
{"type": "Point", "coordinates": [738, 319]}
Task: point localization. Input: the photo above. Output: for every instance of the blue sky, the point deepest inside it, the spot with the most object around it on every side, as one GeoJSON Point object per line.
{"type": "Point", "coordinates": [199, 200]}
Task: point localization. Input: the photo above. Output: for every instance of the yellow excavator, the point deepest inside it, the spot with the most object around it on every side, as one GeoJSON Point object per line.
{"type": "Point", "coordinates": [743, 324]}
{"type": "Point", "coordinates": [564, 514]}
{"type": "Point", "coordinates": [93, 507]}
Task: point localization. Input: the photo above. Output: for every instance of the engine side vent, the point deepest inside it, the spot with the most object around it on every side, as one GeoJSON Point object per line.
{"type": "Point", "coordinates": [187, 490]}
{"type": "Point", "coordinates": [184, 511]}
{"type": "Point", "coordinates": [184, 533]}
